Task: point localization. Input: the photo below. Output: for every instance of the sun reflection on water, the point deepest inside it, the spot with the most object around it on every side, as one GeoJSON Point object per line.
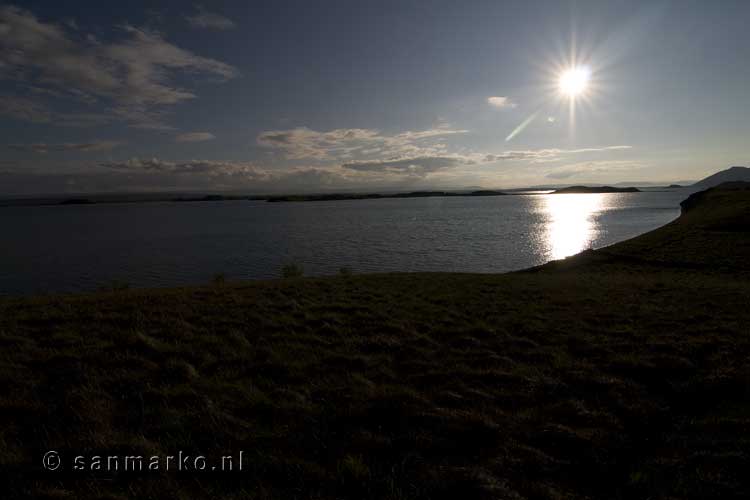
{"type": "Point", "coordinates": [570, 222]}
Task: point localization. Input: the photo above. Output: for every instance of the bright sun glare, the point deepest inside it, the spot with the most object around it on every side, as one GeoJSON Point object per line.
{"type": "Point", "coordinates": [574, 81]}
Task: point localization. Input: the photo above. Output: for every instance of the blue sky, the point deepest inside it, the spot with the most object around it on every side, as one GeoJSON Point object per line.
{"type": "Point", "coordinates": [321, 96]}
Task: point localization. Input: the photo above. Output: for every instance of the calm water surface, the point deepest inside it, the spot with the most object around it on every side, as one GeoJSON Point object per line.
{"type": "Point", "coordinates": [83, 247]}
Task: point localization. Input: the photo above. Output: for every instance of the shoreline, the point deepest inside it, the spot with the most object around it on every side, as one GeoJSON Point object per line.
{"type": "Point", "coordinates": [103, 199]}
{"type": "Point", "coordinates": [124, 286]}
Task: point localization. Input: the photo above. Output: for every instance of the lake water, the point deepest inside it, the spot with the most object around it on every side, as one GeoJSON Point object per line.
{"type": "Point", "coordinates": [83, 247]}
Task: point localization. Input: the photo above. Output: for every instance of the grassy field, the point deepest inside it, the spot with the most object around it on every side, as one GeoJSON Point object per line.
{"type": "Point", "coordinates": [619, 373]}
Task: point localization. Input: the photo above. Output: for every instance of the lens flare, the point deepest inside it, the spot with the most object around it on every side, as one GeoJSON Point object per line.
{"type": "Point", "coordinates": [574, 81]}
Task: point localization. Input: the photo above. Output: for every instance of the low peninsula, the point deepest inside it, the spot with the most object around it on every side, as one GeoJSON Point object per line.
{"type": "Point", "coordinates": [370, 196]}
{"type": "Point", "coordinates": [595, 189]}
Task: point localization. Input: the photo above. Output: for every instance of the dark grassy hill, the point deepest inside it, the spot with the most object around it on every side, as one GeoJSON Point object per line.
{"type": "Point", "coordinates": [620, 373]}
{"type": "Point", "coordinates": [732, 174]}
{"type": "Point", "coordinates": [712, 235]}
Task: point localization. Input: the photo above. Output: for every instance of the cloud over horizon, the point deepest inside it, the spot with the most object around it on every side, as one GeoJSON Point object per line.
{"type": "Point", "coordinates": [225, 175]}
{"type": "Point", "coordinates": [549, 154]}
{"type": "Point", "coordinates": [418, 167]}
{"type": "Point", "coordinates": [304, 143]}
{"type": "Point", "coordinates": [593, 168]}
{"type": "Point", "coordinates": [210, 168]}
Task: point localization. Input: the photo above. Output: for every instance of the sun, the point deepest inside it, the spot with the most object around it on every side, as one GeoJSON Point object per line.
{"type": "Point", "coordinates": [573, 82]}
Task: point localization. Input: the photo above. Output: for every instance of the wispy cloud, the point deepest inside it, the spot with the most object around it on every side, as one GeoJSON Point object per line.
{"type": "Point", "coordinates": [547, 155]}
{"type": "Point", "coordinates": [134, 72]}
{"type": "Point", "coordinates": [209, 20]}
{"type": "Point", "coordinates": [211, 168]}
{"type": "Point", "coordinates": [304, 143]}
{"type": "Point", "coordinates": [419, 167]}
{"type": "Point", "coordinates": [195, 137]}
{"type": "Point", "coordinates": [423, 166]}
{"type": "Point", "coordinates": [84, 147]}
{"type": "Point", "coordinates": [501, 102]}
{"type": "Point", "coordinates": [234, 174]}
{"type": "Point", "coordinates": [409, 154]}
{"type": "Point", "coordinates": [591, 150]}
{"type": "Point", "coordinates": [217, 174]}
{"type": "Point", "coordinates": [593, 169]}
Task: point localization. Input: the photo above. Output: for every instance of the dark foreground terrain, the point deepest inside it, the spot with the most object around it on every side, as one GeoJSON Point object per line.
{"type": "Point", "coordinates": [619, 373]}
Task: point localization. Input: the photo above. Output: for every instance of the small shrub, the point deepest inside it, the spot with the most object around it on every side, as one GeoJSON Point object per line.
{"type": "Point", "coordinates": [179, 370]}
{"type": "Point", "coordinates": [291, 270]}
{"type": "Point", "coordinates": [219, 279]}
{"type": "Point", "coordinates": [345, 271]}
{"type": "Point", "coordinates": [353, 468]}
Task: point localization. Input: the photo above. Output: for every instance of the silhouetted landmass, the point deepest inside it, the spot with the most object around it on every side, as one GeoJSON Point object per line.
{"type": "Point", "coordinates": [212, 197]}
{"type": "Point", "coordinates": [616, 373]}
{"type": "Point", "coordinates": [323, 197]}
{"type": "Point", "coordinates": [732, 174]}
{"type": "Point", "coordinates": [370, 196]}
{"type": "Point", "coordinates": [76, 201]}
{"type": "Point", "coordinates": [486, 192]}
{"type": "Point", "coordinates": [595, 189]}
{"type": "Point", "coordinates": [101, 199]}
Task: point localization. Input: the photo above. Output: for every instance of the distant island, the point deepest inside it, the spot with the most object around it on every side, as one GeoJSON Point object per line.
{"type": "Point", "coordinates": [595, 189]}
{"type": "Point", "coordinates": [356, 196]}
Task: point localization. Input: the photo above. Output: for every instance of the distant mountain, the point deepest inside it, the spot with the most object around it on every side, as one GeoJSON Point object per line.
{"type": "Point", "coordinates": [656, 184]}
{"type": "Point", "coordinates": [734, 174]}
